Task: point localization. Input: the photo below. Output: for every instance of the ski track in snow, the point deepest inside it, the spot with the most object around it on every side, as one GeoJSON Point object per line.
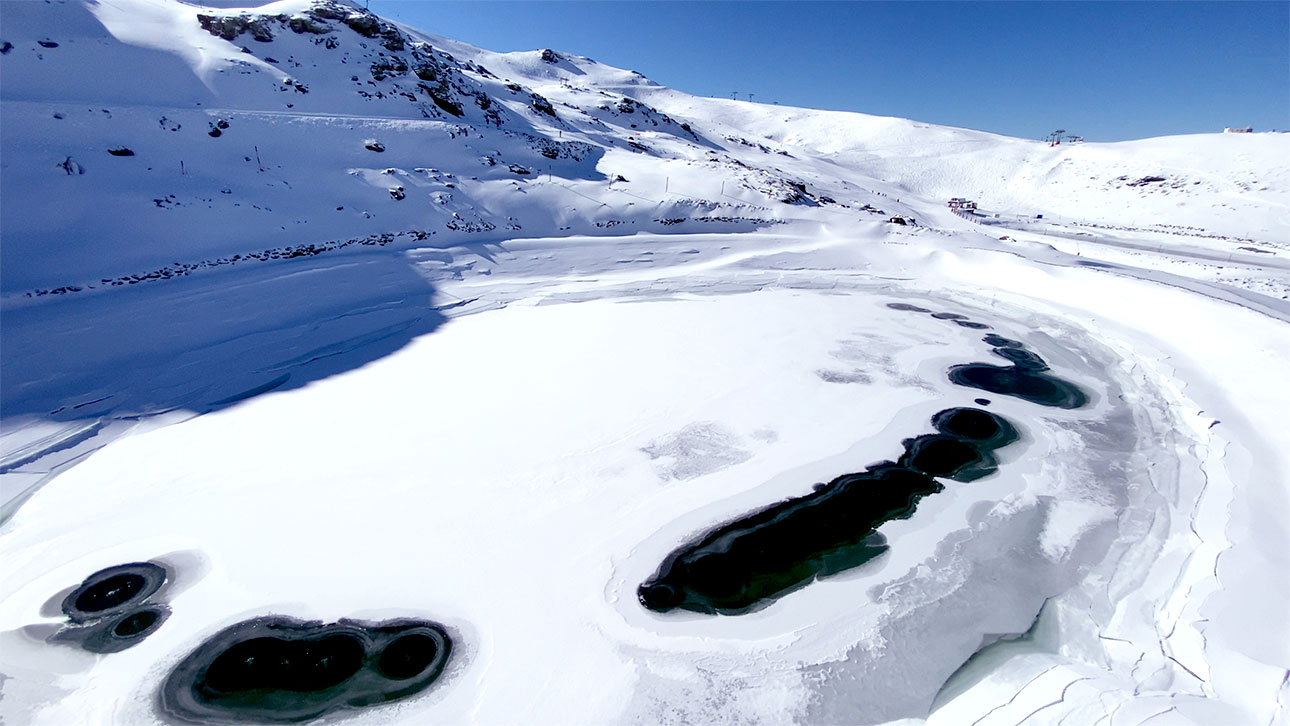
{"type": "Point", "coordinates": [504, 422]}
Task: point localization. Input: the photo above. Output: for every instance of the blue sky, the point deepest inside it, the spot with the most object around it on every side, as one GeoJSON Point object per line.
{"type": "Point", "coordinates": [1106, 70]}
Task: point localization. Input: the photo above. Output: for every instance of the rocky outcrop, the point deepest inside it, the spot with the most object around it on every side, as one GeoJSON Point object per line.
{"type": "Point", "coordinates": [542, 105]}
{"type": "Point", "coordinates": [312, 21]}
{"type": "Point", "coordinates": [229, 27]}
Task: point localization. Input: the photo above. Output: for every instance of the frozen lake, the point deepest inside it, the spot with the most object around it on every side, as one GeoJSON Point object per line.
{"type": "Point", "coordinates": [515, 466]}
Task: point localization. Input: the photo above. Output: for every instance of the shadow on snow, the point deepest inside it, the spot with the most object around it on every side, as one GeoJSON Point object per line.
{"type": "Point", "coordinates": [78, 369]}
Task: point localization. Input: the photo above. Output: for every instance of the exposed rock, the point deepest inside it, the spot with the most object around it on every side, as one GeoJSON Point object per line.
{"type": "Point", "coordinates": [392, 66]}
{"type": "Point", "coordinates": [229, 27]}
{"type": "Point", "coordinates": [306, 25]}
{"type": "Point", "coordinates": [798, 195]}
{"type": "Point", "coordinates": [447, 104]}
{"type": "Point", "coordinates": [121, 151]}
{"type": "Point", "coordinates": [373, 145]}
{"type": "Point", "coordinates": [329, 11]}
{"type": "Point", "coordinates": [541, 105]}
{"type": "Point", "coordinates": [550, 56]}
{"type": "Point", "coordinates": [259, 31]}
{"type": "Point", "coordinates": [461, 225]}
{"type": "Point", "coordinates": [365, 25]}
{"type": "Point", "coordinates": [552, 149]}
{"type": "Point", "coordinates": [441, 94]}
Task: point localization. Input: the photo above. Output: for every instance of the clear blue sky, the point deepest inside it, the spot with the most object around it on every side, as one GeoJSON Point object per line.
{"type": "Point", "coordinates": [1106, 70]}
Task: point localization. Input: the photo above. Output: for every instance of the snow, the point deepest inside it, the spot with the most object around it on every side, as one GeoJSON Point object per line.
{"type": "Point", "coordinates": [500, 402]}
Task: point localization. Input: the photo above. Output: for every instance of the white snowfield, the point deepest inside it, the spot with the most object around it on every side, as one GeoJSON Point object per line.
{"type": "Point", "coordinates": [564, 321]}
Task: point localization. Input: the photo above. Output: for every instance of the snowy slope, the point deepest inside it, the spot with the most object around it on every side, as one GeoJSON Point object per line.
{"type": "Point", "coordinates": [374, 325]}
{"type": "Point", "coordinates": [1223, 182]}
{"type": "Point", "coordinates": [479, 146]}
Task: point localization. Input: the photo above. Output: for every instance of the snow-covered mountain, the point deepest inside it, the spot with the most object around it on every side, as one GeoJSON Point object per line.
{"type": "Point", "coordinates": [311, 316]}
{"type": "Point", "coordinates": [150, 137]}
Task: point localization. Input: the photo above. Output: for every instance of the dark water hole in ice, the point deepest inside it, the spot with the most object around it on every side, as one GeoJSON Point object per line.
{"type": "Point", "coordinates": [407, 656]}
{"type": "Point", "coordinates": [956, 318]}
{"type": "Point", "coordinates": [136, 624]}
{"type": "Point", "coordinates": [283, 670]}
{"type": "Point", "coordinates": [110, 593]}
{"type": "Point", "coordinates": [278, 664]}
{"type": "Point", "coordinates": [112, 609]}
{"type": "Point", "coordinates": [1027, 378]}
{"type": "Point", "coordinates": [112, 590]}
{"type": "Point", "coordinates": [1002, 342]}
{"type": "Point", "coordinates": [124, 631]}
{"type": "Point", "coordinates": [746, 564]}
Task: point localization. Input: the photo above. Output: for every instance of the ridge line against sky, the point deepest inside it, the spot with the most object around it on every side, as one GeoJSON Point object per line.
{"type": "Point", "coordinates": [1108, 71]}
